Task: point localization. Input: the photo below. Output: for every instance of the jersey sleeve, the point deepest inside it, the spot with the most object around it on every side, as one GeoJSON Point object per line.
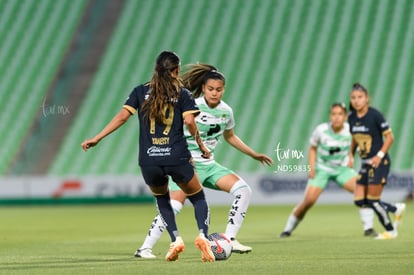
{"type": "Point", "coordinates": [188, 104]}
{"type": "Point", "coordinates": [382, 124]}
{"type": "Point", "coordinates": [231, 123]}
{"type": "Point", "coordinates": [315, 137]}
{"type": "Point", "coordinates": [131, 103]}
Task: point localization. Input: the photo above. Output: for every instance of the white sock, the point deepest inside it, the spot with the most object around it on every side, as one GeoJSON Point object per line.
{"type": "Point", "coordinates": [157, 227]}
{"type": "Point", "coordinates": [367, 217]}
{"type": "Point", "coordinates": [291, 223]}
{"type": "Point", "coordinates": [242, 194]}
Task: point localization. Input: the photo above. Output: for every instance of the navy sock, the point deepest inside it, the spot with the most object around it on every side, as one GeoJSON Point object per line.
{"type": "Point", "coordinates": [388, 206]}
{"type": "Point", "coordinates": [382, 214]}
{"type": "Point", "coordinates": [201, 211]}
{"type": "Point", "coordinates": [167, 214]}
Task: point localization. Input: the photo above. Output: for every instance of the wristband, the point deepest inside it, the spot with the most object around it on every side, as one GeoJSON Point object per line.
{"type": "Point", "coordinates": [380, 154]}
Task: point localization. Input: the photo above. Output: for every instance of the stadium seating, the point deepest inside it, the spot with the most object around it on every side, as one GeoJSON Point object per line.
{"type": "Point", "coordinates": [34, 39]}
{"type": "Point", "coordinates": [285, 63]}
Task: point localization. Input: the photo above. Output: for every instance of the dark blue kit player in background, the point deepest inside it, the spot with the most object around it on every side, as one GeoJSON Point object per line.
{"type": "Point", "coordinates": [372, 136]}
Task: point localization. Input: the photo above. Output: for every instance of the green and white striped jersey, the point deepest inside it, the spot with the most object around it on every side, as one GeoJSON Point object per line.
{"type": "Point", "coordinates": [332, 148]}
{"type": "Point", "coordinates": [211, 123]}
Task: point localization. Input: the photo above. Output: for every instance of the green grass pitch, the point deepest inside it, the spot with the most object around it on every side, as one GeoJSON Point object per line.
{"type": "Point", "coordinates": [101, 239]}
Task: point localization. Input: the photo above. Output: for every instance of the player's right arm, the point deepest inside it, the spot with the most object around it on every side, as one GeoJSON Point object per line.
{"type": "Point", "coordinates": [312, 161]}
{"type": "Point", "coordinates": [314, 143]}
{"type": "Point", "coordinates": [118, 120]}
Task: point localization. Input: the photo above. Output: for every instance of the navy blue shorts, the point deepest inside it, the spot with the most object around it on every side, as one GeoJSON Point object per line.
{"type": "Point", "coordinates": [370, 175]}
{"type": "Point", "coordinates": [158, 175]}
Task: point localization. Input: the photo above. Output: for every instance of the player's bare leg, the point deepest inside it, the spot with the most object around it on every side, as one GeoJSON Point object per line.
{"type": "Point", "coordinates": [312, 194]}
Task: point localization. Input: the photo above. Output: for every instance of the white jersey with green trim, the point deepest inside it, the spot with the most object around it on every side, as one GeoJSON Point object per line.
{"type": "Point", "coordinates": [332, 148]}
{"type": "Point", "coordinates": [211, 123]}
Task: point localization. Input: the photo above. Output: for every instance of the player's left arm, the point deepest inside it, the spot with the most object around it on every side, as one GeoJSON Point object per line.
{"type": "Point", "coordinates": [388, 140]}
{"type": "Point", "coordinates": [190, 123]}
{"type": "Point", "coordinates": [237, 143]}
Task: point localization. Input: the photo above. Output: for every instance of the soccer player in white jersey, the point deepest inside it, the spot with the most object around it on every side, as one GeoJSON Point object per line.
{"type": "Point", "coordinates": [329, 159]}
{"type": "Point", "coordinates": [215, 120]}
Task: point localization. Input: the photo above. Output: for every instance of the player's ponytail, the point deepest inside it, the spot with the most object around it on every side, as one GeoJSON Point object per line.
{"type": "Point", "coordinates": [164, 87]}
{"type": "Point", "coordinates": [197, 75]}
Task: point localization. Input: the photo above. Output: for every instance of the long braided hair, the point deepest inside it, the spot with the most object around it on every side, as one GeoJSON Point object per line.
{"type": "Point", "coordinates": [164, 87]}
{"type": "Point", "coordinates": [196, 76]}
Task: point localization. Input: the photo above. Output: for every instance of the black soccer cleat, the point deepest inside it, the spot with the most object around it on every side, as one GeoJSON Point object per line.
{"type": "Point", "coordinates": [284, 234]}
{"type": "Point", "coordinates": [370, 233]}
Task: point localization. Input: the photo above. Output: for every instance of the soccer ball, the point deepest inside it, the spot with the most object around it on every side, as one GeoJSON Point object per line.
{"type": "Point", "coordinates": [220, 245]}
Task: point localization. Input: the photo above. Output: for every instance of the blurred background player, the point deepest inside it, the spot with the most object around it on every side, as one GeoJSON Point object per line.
{"type": "Point", "coordinates": [215, 120]}
{"type": "Point", "coordinates": [329, 160]}
{"type": "Point", "coordinates": [163, 107]}
{"type": "Point", "coordinates": [372, 136]}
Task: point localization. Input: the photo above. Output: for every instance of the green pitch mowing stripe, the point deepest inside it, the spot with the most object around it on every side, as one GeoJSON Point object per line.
{"type": "Point", "coordinates": [101, 239]}
{"type": "Point", "coordinates": [76, 201]}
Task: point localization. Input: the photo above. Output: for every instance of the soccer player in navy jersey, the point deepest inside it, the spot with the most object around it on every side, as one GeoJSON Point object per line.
{"type": "Point", "coordinates": [216, 120]}
{"type": "Point", "coordinates": [164, 106]}
{"type": "Point", "coordinates": [372, 135]}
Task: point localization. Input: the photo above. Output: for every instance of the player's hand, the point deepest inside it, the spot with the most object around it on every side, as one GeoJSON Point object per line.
{"type": "Point", "coordinates": [89, 143]}
{"type": "Point", "coordinates": [375, 161]}
{"type": "Point", "coordinates": [205, 153]}
{"type": "Point", "coordinates": [265, 160]}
